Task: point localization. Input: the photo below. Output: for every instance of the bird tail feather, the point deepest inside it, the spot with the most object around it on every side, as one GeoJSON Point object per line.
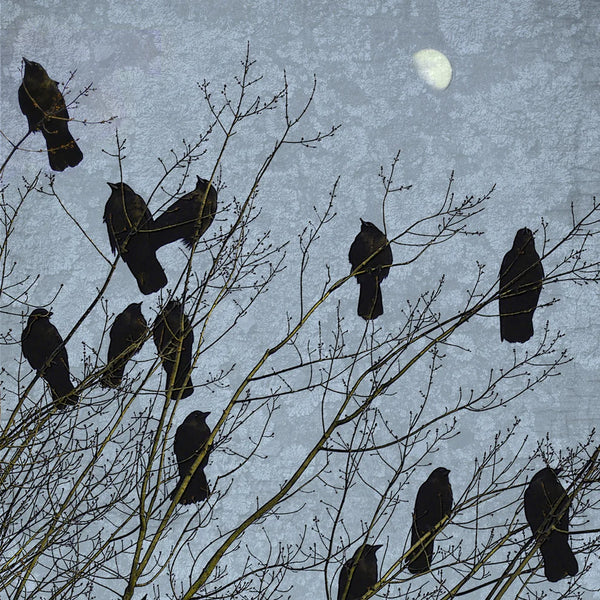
{"type": "Point", "coordinates": [419, 560]}
{"type": "Point", "coordinates": [370, 305]}
{"type": "Point", "coordinates": [196, 491]}
{"type": "Point", "coordinates": [62, 392]}
{"type": "Point", "coordinates": [188, 389]}
{"type": "Point", "coordinates": [149, 274]}
{"type": "Point", "coordinates": [559, 560]}
{"type": "Point", "coordinates": [63, 151]}
{"type": "Point", "coordinates": [113, 376]}
{"type": "Point", "coordinates": [516, 328]}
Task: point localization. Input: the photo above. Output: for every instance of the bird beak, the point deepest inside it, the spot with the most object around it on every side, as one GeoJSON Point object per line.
{"type": "Point", "coordinates": [362, 222]}
{"type": "Point", "coordinates": [113, 186]}
{"type": "Point", "coordinates": [27, 62]}
{"type": "Point", "coordinates": [377, 546]}
{"type": "Point", "coordinates": [205, 414]}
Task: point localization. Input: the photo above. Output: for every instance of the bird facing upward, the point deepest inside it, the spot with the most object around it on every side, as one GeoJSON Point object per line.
{"type": "Point", "coordinates": [44, 106]}
{"type": "Point", "coordinates": [39, 341]}
{"type": "Point", "coordinates": [370, 242]}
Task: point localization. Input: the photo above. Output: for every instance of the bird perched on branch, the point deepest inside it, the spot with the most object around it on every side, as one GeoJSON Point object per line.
{"type": "Point", "coordinates": [362, 576]}
{"type": "Point", "coordinates": [127, 335]}
{"type": "Point", "coordinates": [188, 217]}
{"type": "Point", "coordinates": [433, 503]}
{"type": "Point", "coordinates": [173, 331]}
{"type": "Point", "coordinates": [521, 276]}
{"type": "Point", "coordinates": [370, 244]}
{"type": "Point", "coordinates": [547, 512]}
{"type": "Point", "coordinates": [190, 440]}
{"type": "Point", "coordinates": [39, 341]}
{"type": "Point", "coordinates": [44, 106]}
{"type": "Point", "coordinates": [129, 223]}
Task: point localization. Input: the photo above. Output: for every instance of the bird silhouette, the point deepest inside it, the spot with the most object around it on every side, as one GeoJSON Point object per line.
{"type": "Point", "coordinates": [521, 276]}
{"type": "Point", "coordinates": [362, 576]}
{"type": "Point", "coordinates": [44, 106]}
{"type": "Point", "coordinates": [127, 335]}
{"type": "Point", "coordinates": [172, 330]}
{"type": "Point", "coordinates": [370, 242]}
{"type": "Point", "coordinates": [547, 512]}
{"type": "Point", "coordinates": [190, 439]}
{"type": "Point", "coordinates": [433, 503]}
{"type": "Point", "coordinates": [129, 225]}
{"type": "Point", "coordinates": [188, 217]}
{"type": "Point", "coordinates": [39, 340]}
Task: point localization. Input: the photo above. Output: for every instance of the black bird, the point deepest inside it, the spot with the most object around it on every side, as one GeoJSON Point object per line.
{"type": "Point", "coordinates": [521, 276]}
{"type": "Point", "coordinates": [190, 439]}
{"type": "Point", "coordinates": [433, 503]}
{"type": "Point", "coordinates": [545, 500]}
{"type": "Point", "coordinates": [129, 225]}
{"type": "Point", "coordinates": [44, 106]}
{"type": "Point", "coordinates": [363, 576]}
{"type": "Point", "coordinates": [370, 241]}
{"type": "Point", "coordinates": [171, 329]}
{"type": "Point", "coordinates": [187, 218]}
{"type": "Point", "coordinates": [39, 341]}
{"type": "Point", "coordinates": [127, 336]}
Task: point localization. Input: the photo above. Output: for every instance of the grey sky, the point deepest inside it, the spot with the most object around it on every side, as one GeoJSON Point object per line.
{"type": "Point", "coordinates": [521, 112]}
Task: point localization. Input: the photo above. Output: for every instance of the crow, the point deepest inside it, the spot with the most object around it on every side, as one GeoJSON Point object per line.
{"type": "Point", "coordinates": [370, 241]}
{"type": "Point", "coordinates": [39, 341]}
{"type": "Point", "coordinates": [172, 330]}
{"type": "Point", "coordinates": [129, 224]}
{"type": "Point", "coordinates": [433, 503]}
{"type": "Point", "coordinates": [44, 106]}
{"type": "Point", "coordinates": [521, 276]}
{"type": "Point", "coordinates": [547, 512]}
{"type": "Point", "coordinates": [187, 218]}
{"type": "Point", "coordinates": [364, 574]}
{"type": "Point", "coordinates": [127, 336]}
{"type": "Point", "coordinates": [190, 439]}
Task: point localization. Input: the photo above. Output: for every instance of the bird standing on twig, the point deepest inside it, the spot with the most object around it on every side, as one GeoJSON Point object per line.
{"type": "Point", "coordinates": [127, 335]}
{"type": "Point", "coordinates": [433, 503]}
{"type": "Point", "coordinates": [362, 576]}
{"type": "Point", "coordinates": [521, 276]}
{"type": "Point", "coordinates": [44, 106]}
{"type": "Point", "coordinates": [174, 340]}
{"type": "Point", "coordinates": [188, 217]}
{"type": "Point", "coordinates": [129, 223]}
{"type": "Point", "coordinates": [547, 512]}
{"type": "Point", "coordinates": [370, 242]}
{"type": "Point", "coordinates": [190, 439]}
{"type": "Point", "coordinates": [39, 340]}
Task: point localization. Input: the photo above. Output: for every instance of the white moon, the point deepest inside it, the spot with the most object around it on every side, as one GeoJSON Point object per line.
{"type": "Point", "coordinates": [433, 67]}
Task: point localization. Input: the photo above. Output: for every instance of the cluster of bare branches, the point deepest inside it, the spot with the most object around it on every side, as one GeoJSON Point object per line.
{"type": "Point", "coordinates": [318, 440]}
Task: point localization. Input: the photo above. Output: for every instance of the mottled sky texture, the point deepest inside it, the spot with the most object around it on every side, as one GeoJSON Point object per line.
{"type": "Point", "coordinates": [521, 112]}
